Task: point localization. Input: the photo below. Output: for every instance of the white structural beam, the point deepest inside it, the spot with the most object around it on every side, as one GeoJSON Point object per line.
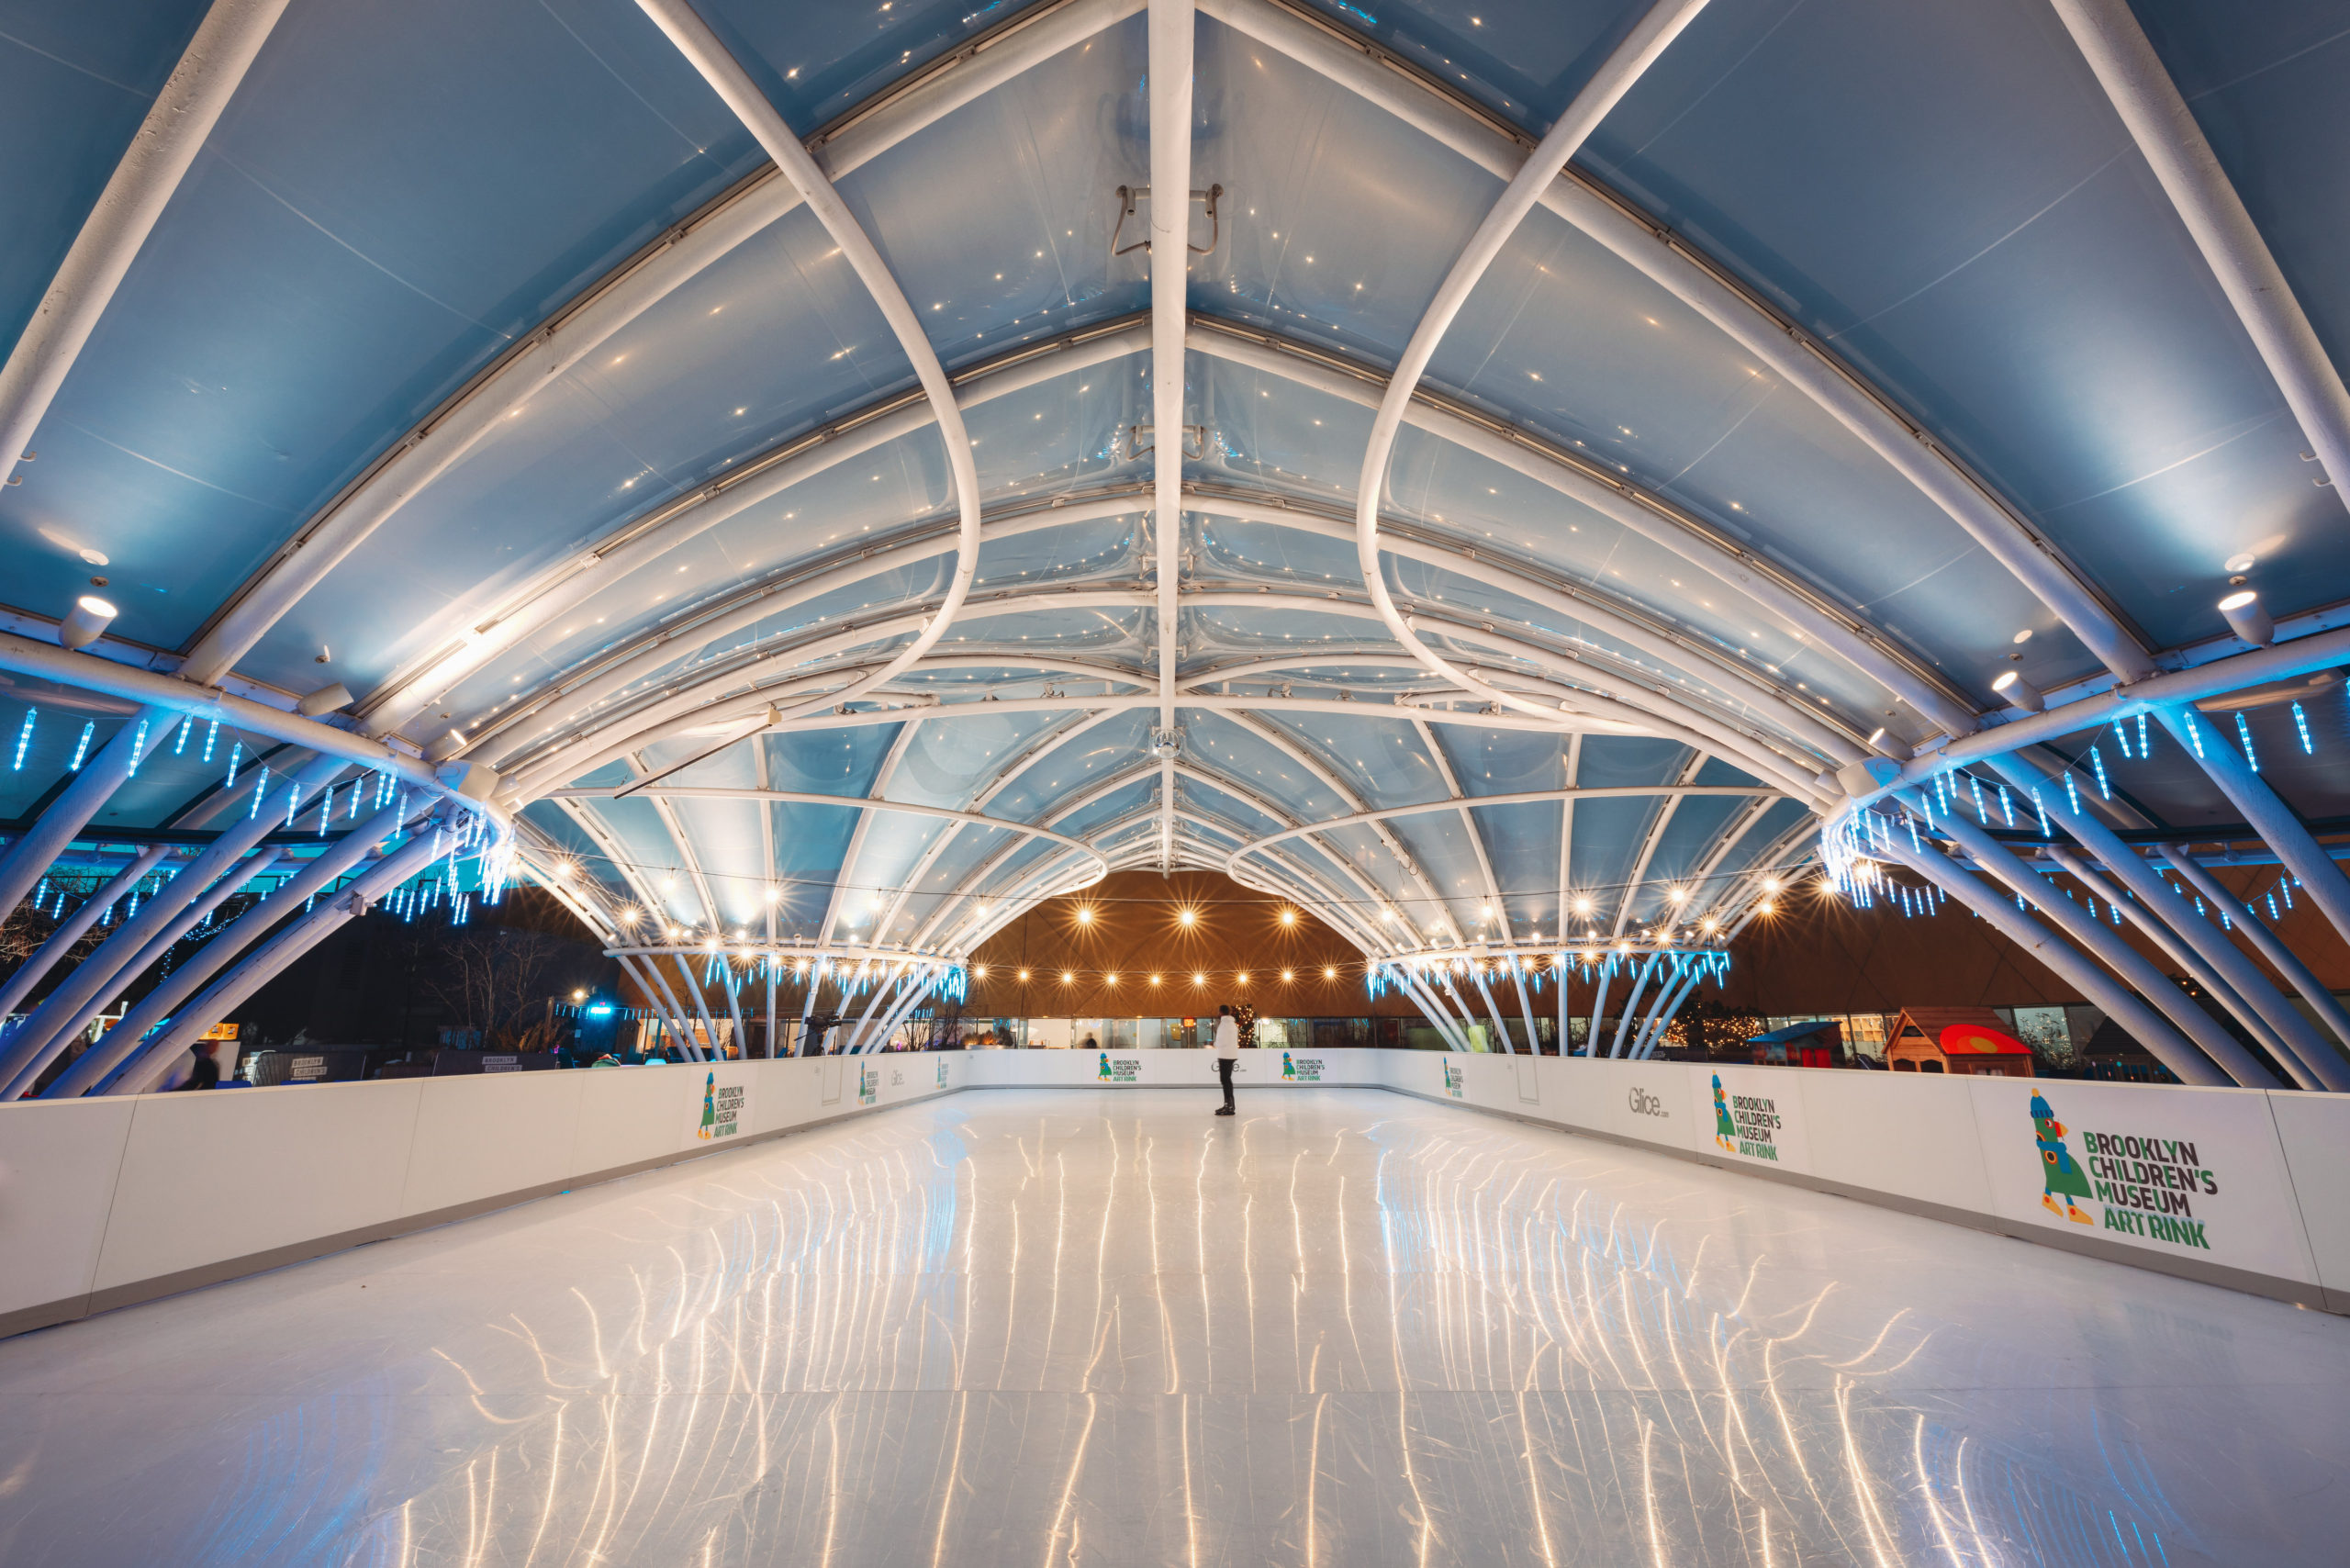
{"type": "Point", "coordinates": [1583, 603]}
{"type": "Point", "coordinates": [269, 960]}
{"type": "Point", "coordinates": [2302, 656]}
{"type": "Point", "coordinates": [1794, 355]}
{"type": "Point", "coordinates": [25, 861]}
{"type": "Point", "coordinates": [591, 320]}
{"type": "Point", "coordinates": [2173, 146]}
{"type": "Point", "coordinates": [1746, 572]}
{"type": "Point", "coordinates": [2102, 943]}
{"type": "Point", "coordinates": [74, 926]}
{"type": "Point", "coordinates": [1173, 26]}
{"type": "Point", "coordinates": [121, 1043]}
{"type": "Point", "coordinates": [726, 76]}
{"type": "Point", "coordinates": [159, 156]}
{"type": "Point", "coordinates": [1625, 64]}
{"type": "Point", "coordinates": [91, 673]}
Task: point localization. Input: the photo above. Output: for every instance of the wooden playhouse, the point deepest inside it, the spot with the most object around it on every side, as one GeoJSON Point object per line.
{"type": "Point", "coordinates": [1956, 1039]}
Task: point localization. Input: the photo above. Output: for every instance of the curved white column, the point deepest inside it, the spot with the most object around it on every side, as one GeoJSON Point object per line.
{"type": "Point", "coordinates": [726, 77]}
{"type": "Point", "coordinates": [173, 132]}
{"type": "Point", "coordinates": [2164, 129]}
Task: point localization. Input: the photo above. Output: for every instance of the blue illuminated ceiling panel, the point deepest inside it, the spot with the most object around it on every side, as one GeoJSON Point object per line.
{"type": "Point", "coordinates": [703, 544]}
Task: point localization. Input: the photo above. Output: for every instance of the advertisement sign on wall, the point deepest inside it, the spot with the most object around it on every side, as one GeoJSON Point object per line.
{"type": "Point", "coordinates": [1118, 1070]}
{"type": "Point", "coordinates": [2194, 1177]}
{"type": "Point", "coordinates": [868, 1085]}
{"type": "Point", "coordinates": [1753, 1115]}
{"type": "Point", "coordinates": [1298, 1069]}
{"type": "Point", "coordinates": [722, 1104]}
{"type": "Point", "coordinates": [1452, 1077]}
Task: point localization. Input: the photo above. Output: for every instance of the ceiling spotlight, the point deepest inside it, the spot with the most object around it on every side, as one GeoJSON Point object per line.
{"type": "Point", "coordinates": [2017, 692]}
{"type": "Point", "coordinates": [1765, 907]}
{"type": "Point", "coordinates": [2246, 618]}
{"type": "Point", "coordinates": [1242, 978]}
{"type": "Point", "coordinates": [1154, 980]}
{"type": "Point", "coordinates": [1289, 974]}
{"type": "Point", "coordinates": [1110, 978]}
{"type": "Point", "coordinates": [1023, 974]}
{"type": "Point", "coordinates": [979, 971]}
{"type": "Point", "coordinates": [1678, 895]}
{"type": "Point", "coordinates": [2022, 637]}
{"type": "Point", "coordinates": [2241, 562]}
{"type": "Point", "coordinates": [1289, 916]}
{"type": "Point", "coordinates": [1583, 906]}
{"type": "Point", "coordinates": [1187, 916]}
{"type": "Point", "coordinates": [325, 700]}
{"type": "Point", "coordinates": [1068, 977]}
{"type": "Point", "coordinates": [1085, 914]}
{"type": "Point", "coordinates": [1198, 978]}
{"type": "Point", "coordinates": [85, 622]}
{"type": "Point", "coordinates": [1329, 971]}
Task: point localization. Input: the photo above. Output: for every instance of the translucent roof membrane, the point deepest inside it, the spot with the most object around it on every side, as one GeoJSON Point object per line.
{"type": "Point", "coordinates": [724, 492]}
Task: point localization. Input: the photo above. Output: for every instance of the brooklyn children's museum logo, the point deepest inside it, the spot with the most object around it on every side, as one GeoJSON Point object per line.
{"type": "Point", "coordinates": [1746, 1124]}
{"type": "Point", "coordinates": [722, 1108]}
{"type": "Point", "coordinates": [2146, 1185]}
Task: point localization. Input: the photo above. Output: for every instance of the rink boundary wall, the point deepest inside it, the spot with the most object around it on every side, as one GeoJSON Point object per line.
{"type": "Point", "coordinates": [106, 1203]}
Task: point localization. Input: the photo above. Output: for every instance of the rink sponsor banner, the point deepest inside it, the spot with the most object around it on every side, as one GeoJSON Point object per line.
{"type": "Point", "coordinates": [1118, 1069]}
{"type": "Point", "coordinates": [1652, 1105]}
{"type": "Point", "coordinates": [2189, 1174]}
{"type": "Point", "coordinates": [721, 1109]}
{"type": "Point", "coordinates": [940, 1064]}
{"type": "Point", "coordinates": [1752, 1113]}
{"type": "Point", "coordinates": [1455, 1075]}
{"type": "Point", "coordinates": [868, 1083]}
{"type": "Point", "coordinates": [1297, 1068]}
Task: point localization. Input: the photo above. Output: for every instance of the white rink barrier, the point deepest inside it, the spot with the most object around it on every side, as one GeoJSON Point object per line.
{"type": "Point", "coordinates": [2238, 1187]}
{"type": "Point", "coordinates": [107, 1202]}
{"type": "Point", "coordinates": [104, 1202]}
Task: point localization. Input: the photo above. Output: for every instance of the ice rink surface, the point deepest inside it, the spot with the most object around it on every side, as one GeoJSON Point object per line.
{"type": "Point", "coordinates": [1040, 1327]}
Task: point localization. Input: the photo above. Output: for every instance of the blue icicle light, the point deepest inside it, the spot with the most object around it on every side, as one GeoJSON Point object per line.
{"type": "Point", "coordinates": [2243, 733]}
{"type": "Point", "coordinates": [81, 746]}
{"type": "Point", "coordinates": [24, 736]}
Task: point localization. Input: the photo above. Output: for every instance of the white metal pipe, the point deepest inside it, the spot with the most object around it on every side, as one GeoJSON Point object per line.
{"type": "Point", "coordinates": [726, 76]}
{"type": "Point", "coordinates": [1739, 569]}
{"type": "Point", "coordinates": [268, 961]}
{"type": "Point", "coordinates": [2320, 877]}
{"type": "Point", "coordinates": [142, 185]}
{"type": "Point", "coordinates": [2121, 1003]}
{"type": "Point", "coordinates": [71, 929]}
{"type": "Point", "coordinates": [74, 1079]}
{"type": "Point", "coordinates": [91, 673]}
{"type": "Point", "coordinates": [1172, 26]}
{"type": "Point", "coordinates": [1501, 1025]}
{"type": "Point", "coordinates": [2239, 979]}
{"type": "Point", "coordinates": [2173, 146]}
{"type": "Point", "coordinates": [43, 1036]}
{"type": "Point", "coordinates": [1632, 1004]}
{"type": "Point", "coordinates": [585, 323]}
{"type": "Point", "coordinates": [2272, 947]}
{"type": "Point", "coordinates": [1792, 354]}
{"type": "Point", "coordinates": [2213, 1046]}
{"type": "Point", "coordinates": [2178, 950]}
{"type": "Point", "coordinates": [2304, 655]}
{"type": "Point", "coordinates": [223, 948]}
{"type": "Point", "coordinates": [29, 858]}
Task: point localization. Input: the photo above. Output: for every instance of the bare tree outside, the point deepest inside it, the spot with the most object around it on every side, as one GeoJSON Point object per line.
{"type": "Point", "coordinates": [495, 980]}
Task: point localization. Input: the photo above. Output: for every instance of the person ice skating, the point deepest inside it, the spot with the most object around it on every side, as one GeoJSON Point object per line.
{"type": "Point", "coordinates": [1725, 1130]}
{"type": "Point", "coordinates": [2060, 1173]}
{"type": "Point", "coordinates": [1228, 1051]}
